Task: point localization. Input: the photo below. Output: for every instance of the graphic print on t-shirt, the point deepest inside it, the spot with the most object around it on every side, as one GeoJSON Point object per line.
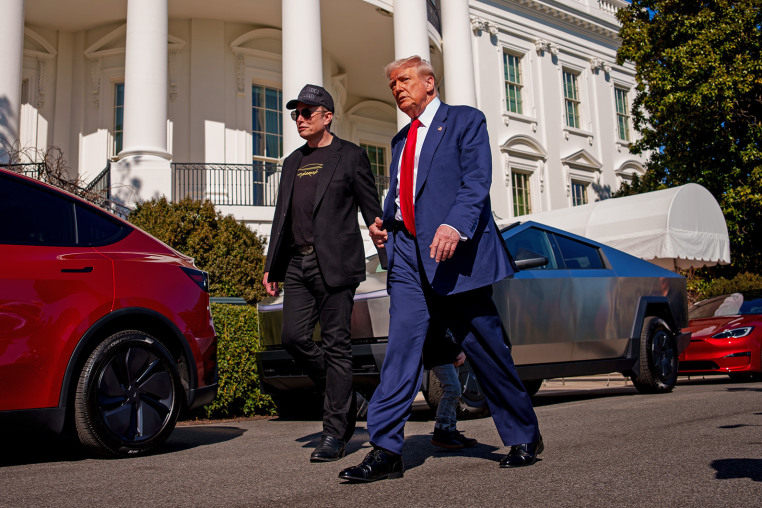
{"type": "Point", "coordinates": [309, 169]}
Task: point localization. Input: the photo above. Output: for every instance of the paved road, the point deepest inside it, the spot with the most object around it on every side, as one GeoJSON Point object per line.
{"type": "Point", "coordinates": [605, 445]}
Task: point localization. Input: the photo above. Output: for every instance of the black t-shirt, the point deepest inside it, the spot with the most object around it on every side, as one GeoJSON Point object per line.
{"type": "Point", "coordinates": [303, 197]}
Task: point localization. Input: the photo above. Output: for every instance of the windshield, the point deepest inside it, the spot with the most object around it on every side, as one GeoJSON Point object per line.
{"type": "Point", "coordinates": [736, 304]}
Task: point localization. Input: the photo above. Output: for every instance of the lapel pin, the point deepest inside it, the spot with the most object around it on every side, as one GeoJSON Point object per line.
{"type": "Point", "coordinates": [440, 128]}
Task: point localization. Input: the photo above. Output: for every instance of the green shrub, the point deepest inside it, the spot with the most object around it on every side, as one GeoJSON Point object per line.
{"type": "Point", "coordinates": [239, 391]}
{"type": "Point", "coordinates": [700, 289]}
{"type": "Point", "coordinates": [227, 249]}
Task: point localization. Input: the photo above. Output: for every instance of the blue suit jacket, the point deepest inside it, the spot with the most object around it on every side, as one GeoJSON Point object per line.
{"type": "Point", "coordinates": [452, 187]}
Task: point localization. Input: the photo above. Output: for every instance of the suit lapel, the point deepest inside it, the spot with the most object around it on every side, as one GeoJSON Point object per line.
{"type": "Point", "coordinates": [327, 171]}
{"type": "Point", "coordinates": [394, 167]}
{"type": "Point", "coordinates": [434, 136]}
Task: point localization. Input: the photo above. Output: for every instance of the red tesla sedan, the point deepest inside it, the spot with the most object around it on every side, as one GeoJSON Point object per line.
{"type": "Point", "coordinates": [726, 337]}
{"type": "Point", "coordinates": [104, 330]}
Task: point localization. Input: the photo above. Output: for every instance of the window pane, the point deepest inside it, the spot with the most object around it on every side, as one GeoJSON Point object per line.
{"type": "Point", "coordinates": [34, 216]}
{"type": "Point", "coordinates": [622, 112]}
{"type": "Point", "coordinates": [267, 122]}
{"type": "Point", "coordinates": [579, 193]}
{"type": "Point", "coordinates": [513, 86]}
{"type": "Point", "coordinates": [529, 244]}
{"type": "Point", "coordinates": [272, 99]}
{"type": "Point", "coordinates": [118, 116]}
{"type": "Point", "coordinates": [521, 196]}
{"type": "Point", "coordinates": [272, 148]}
{"type": "Point", "coordinates": [578, 255]}
{"type": "Point", "coordinates": [94, 228]}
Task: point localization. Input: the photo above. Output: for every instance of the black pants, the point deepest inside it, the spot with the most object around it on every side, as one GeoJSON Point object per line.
{"type": "Point", "coordinates": [307, 299]}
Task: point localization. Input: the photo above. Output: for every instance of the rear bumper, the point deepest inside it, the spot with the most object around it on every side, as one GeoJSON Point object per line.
{"type": "Point", "coordinates": [278, 370]}
{"type": "Point", "coordinates": [201, 396]}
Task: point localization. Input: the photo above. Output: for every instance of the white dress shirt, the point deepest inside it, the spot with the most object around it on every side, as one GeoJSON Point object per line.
{"type": "Point", "coordinates": [426, 118]}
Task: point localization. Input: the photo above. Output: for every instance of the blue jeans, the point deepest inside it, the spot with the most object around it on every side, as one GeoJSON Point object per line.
{"type": "Point", "coordinates": [447, 417]}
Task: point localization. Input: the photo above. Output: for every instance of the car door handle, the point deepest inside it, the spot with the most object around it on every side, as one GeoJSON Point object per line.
{"type": "Point", "coordinates": [86, 269]}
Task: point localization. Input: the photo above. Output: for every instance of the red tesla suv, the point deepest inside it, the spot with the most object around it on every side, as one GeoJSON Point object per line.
{"type": "Point", "coordinates": [104, 330]}
{"type": "Point", "coordinates": [726, 337]}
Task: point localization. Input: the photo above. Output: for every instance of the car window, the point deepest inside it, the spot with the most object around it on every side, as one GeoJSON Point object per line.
{"type": "Point", "coordinates": [529, 243]}
{"type": "Point", "coordinates": [34, 216]}
{"type": "Point", "coordinates": [728, 305]}
{"type": "Point", "coordinates": [94, 228]}
{"type": "Point", "coordinates": [578, 255]}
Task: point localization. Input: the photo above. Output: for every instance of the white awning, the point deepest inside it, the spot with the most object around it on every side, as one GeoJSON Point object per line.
{"type": "Point", "coordinates": [682, 227]}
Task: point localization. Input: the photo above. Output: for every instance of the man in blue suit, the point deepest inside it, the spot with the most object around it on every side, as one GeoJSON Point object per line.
{"type": "Point", "coordinates": [444, 254]}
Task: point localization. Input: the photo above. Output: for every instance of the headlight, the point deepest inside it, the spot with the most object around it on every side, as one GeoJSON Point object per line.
{"type": "Point", "coordinates": [734, 333]}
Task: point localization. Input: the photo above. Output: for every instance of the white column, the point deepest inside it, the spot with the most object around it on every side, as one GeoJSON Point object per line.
{"type": "Point", "coordinates": [143, 170]}
{"type": "Point", "coordinates": [411, 36]}
{"type": "Point", "coordinates": [302, 59]}
{"type": "Point", "coordinates": [457, 53]}
{"type": "Point", "coordinates": [145, 79]}
{"type": "Point", "coordinates": [11, 60]}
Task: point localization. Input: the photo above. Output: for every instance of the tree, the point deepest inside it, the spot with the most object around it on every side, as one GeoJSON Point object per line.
{"type": "Point", "coordinates": [699, 105]}
{"type": "Point", "coordinates": [228, 250]}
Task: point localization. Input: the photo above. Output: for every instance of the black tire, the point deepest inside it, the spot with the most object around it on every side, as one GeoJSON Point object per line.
{"type": "Point", "coordinates": [128, 396]}
{"type": "Point", "coordinates": [473, 402]}
{"type": "Point", "coordinates": [532, 386]}
{"type": "Point", "coordinates": [658, 358]}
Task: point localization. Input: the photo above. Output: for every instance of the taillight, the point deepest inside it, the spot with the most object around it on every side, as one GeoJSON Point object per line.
{"type": "Point", "coordinates": [199, 277]}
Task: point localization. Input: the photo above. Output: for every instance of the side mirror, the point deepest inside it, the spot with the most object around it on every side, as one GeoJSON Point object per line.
{"type": "Point", "coordinates": [526, 259]}
{"type": "Point", "coordinates": [526, 264]}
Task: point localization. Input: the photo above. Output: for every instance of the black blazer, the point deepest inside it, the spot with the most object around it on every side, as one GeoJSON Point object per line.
{"type": "Point", "coordinates": [345, 183]}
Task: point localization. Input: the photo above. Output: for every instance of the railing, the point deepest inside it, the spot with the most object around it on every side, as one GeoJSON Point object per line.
{"type": "Point", "coordinates": [97, 192]}
{"type": "Point", "coordinates": [612, 6]}
{"type": "Point", "coordinates": [227, 184]}
{"type": "Point", "coordinates": [101, 184]}
{"type": "Point", "coordinates": [31, 169]}
{"type": "Point", "coordinates": [235, 184]}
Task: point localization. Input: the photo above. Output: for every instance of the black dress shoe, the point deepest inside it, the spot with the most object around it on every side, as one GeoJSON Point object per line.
{"type": "Point", "coordinates": [377, 465]}
{"type": "Point", "coordinates": [330, 448]}
{"type": "Point", "coordinates": [523, 454]}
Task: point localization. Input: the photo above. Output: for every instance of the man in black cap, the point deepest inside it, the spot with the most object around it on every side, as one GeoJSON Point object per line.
{"type": "Point", "coordinates": [316, 250]}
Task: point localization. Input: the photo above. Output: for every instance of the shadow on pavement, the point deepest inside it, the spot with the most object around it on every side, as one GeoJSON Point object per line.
{"type": "Point", "coordinates": [21, 447]}
{"type": "Point", "coordinates": [729, 469]}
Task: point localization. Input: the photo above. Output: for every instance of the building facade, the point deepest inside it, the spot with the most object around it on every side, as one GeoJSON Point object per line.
{"type": "Point", "coordinates": [186, 97]}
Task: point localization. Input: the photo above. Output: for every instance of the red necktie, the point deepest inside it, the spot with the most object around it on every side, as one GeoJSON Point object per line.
{"type": "Point", "coordinates": [406, 177]}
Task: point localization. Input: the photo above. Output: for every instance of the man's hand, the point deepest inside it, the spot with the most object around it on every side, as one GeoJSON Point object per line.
{"type": "Point", "coordinates": [378, 235]}
{"type": "Point", "coordinates": [445, 241]}
{"type": "Point", "coordinates": [460, 359]}
{"type": "Point", "coordinates": [270, 287]}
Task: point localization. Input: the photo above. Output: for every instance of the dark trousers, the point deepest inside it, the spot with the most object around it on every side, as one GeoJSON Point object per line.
{"type": "Point", "coordinates": [307, 300]}
{"type": "Point", "coordinates": [474, 322]}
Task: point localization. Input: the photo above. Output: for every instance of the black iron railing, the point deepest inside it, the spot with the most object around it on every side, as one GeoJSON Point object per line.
{"type": "Point", "coordinates": [235, 184]}
{"type": "Point", "coordinates": [227, 184]}
{"type": "Point", "coordinates": [30, 169]}
{"type": "Point", "coordinates": [97, 192]}
{"type": "Point", "coordinates": [101, 184]}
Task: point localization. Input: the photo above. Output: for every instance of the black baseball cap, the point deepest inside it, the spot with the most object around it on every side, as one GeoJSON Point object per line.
{"type": "Point", "coordinates": [314, 96]}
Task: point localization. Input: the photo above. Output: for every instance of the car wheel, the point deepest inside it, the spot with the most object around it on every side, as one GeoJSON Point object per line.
{"type": "Point", "coordinates": [532, 386]}
{"type": "Point", "coordinates": [128, 395]}
{"type": "Point", "coordinates": [658, 358]}
{"type": "Point", "coordinates": [473, 402]}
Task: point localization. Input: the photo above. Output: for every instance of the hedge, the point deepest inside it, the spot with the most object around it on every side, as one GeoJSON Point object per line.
{"type": "Point", "coordinates": [239, 392]}
{"type": "Point", "coordinates": [701, 289]}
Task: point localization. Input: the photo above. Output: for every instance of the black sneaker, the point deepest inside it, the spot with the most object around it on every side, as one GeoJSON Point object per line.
{"type": "Point", "coordinates": [446, 439]}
